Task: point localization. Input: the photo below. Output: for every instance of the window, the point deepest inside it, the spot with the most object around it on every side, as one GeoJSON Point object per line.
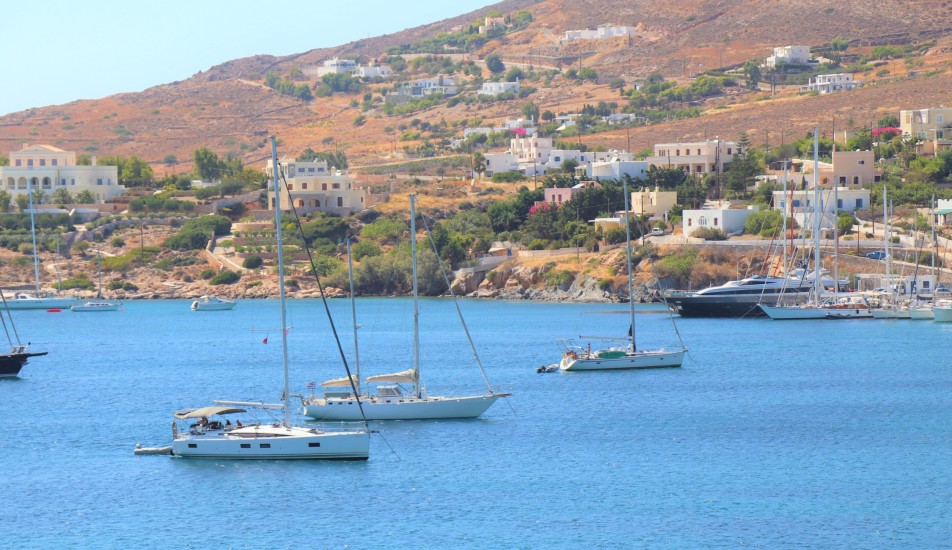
{"type": "Point", "coordinates": [42, 162]}
{"type": "Point", "coordinates": [677, 152]}
{"type": "Point", "coordinates": [323, 187]}
{"type": "Point", "coordinates": [300, 203]}
{"type": "Point", "coordinates": [72, 181]}
{"type": "Point", "coordinates": [689, 222]}
{"type": "Point", "coordinates": [63, 181]}
{"type": "Point", "coordinates": [311, 169]}
{"type": "Point", "coordinates": [729, 151]}
{"type": "Point", "coordinates": [317, 203]}
{"type": "Point", "coordinates": [192, 446]}
{"type": "Point", "coordinates": [940, 119]}
{"type": "Point", "coordinates": [796, 203]}
{"type": "Point", "coordinates": [340, 201]}
{"type": "Point", "coordinates": [18, 162]}
{"type": "Point", "coordinates": [702, 221]}
{"type": "Point", "coordinates": [859, 203]}
{"type": "Point", "coordinates": [29, 162]}
{"type": "Point", "coordinates": [99, 181]}
{"type": "Point", "coordinates": [53, 162]}
{"type": "Point", "coordinates": [839, 204]}
{"type": "Point", "coordinates": [335, 185]}
{"type": "Point", "coordinates": [304, 186]}
{"type": "Point", "coordinates": [855, 180]}
{"type": "Point", "coordinates": [715, 222]}
{"type": "Point", "coordinates": [265, 445]}
{"type": "Point", "coordinates": [246, 445]}
{"type": "Point", "coordinates": [861, 162]}
{"type": "Point", "coordinates": [290, 187]}
{"type": "Point", "coordinates": [314, 444]}
{"type": "Point", "coordinates": [842, 179]}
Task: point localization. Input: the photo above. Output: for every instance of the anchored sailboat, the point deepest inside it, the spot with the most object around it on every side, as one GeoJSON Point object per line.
{"type": "Point", "coordinates": [576, 358]}
{"type": "Point", "coordinates": [280, 440]}
{"type": "Point", "coordinates": [390, 402]}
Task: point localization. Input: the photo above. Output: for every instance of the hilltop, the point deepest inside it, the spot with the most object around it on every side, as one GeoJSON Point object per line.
{"type": "Point", "coordinates": [229, 109]}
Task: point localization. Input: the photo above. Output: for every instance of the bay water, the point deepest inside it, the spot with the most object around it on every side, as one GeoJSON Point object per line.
{"type": "Point", "coordinates": [800, 434]}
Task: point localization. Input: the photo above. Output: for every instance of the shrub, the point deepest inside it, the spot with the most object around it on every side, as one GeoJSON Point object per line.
{"type": "Point", "coordinates": [118, 242]}
{"type": "Point", "coordinates": [709, 234]}
{"type": "Point", "coordinates": [207, 273]}
{"type": "Point", "coordinates": [615, 235]}
{"type": "Point", "coordinates": [559, 278]}
{"type": "Point", "coordinates": [252, 262]}
{"type": "Point", "coordinates": [80, 281]}
{"type": "Point", "coordinates": [226, 277]}
{"type": "Point", "coordinates": [537, 244]}
{"type": "Point", "coordinates": [364, 249]}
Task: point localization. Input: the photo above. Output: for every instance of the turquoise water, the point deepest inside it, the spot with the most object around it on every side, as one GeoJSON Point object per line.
{"type": "Point", "coordinates": [809, 434]}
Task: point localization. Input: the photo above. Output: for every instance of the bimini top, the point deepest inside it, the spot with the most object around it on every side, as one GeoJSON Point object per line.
{"type": "Point", "coordinates": [205, 411]}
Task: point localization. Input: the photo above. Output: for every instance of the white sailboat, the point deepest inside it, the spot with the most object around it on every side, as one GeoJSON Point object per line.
{"type": "Point", "coordinates": [278, 440]}
{"type": "Point", "coordinates": [892, 309]}
{"type": "Point", "coordinates": [820, 305]}
{"type": "Point", "coordinates": [390, 402]}
{"type": "Point", "coordinates": [99, 304]}
{"type": "Point", "coordinates": [575, 358]}
{"type": "Point", "coordinates": [25, 300]}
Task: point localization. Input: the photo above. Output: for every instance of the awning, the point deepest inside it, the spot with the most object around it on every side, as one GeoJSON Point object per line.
{"type": "Point", "coordinates": [344, 382]}
{"type": "Point", "coordinates": [408, 376]}
{"type": "Point", "coordinates": [205, 411]}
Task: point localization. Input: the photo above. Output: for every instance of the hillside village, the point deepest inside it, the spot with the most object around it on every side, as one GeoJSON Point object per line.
{"type": "Point", "coordinates": [518, 149]}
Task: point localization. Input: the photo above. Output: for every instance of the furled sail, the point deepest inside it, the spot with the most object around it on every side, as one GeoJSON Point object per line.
{"type": "Point", "coordinates": [408, 376]}
{"type": "Point", "coordinates": [344, 382]}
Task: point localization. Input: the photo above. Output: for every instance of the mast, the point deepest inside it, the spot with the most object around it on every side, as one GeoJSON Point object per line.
{"type": "Point", "coordinates": [631, 293]}
{"type": "Point", "coordinates": [416, 306]}
{"type": "Point", "coordinates": [36, 258]}
{"type": "Point", "coordinates": [284, 317]}
{"type": "Point", "coordinates": [836, 242]}
{"type": "Point", "coordinates": [817, 282]}
{"type": "Point", "coordinates": [886, 239]}
{"type": "Point", "coordinates": [353, 314]}
{"type": "Point", "coordinates": [783, 226]}
{"type": "Point", "coordinates": [99, 268]}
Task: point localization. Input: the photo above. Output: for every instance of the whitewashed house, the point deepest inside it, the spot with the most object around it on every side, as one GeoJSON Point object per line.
{"type": "Point", "coordinates": [313, 186]}
{"type": "Point", "coordinates": [49, 168]}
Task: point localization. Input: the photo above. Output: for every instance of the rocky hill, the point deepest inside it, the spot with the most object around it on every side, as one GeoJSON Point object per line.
{"type": "Point", "coordinates": [229, 110]}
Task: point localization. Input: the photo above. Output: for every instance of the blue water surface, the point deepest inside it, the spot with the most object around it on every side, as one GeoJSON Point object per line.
{"type": "Point", "coordinates": [800, 434]}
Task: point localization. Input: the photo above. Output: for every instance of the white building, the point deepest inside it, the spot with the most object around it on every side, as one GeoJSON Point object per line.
{"type": "Point", "coordinates": [829, 83]}
{"type": "Point", "coordinates": [423, 87]}
{"type": "Point", "coordinates": [616, 169]}
{"type": "Point", "coordinates": [372, 71]}
{"type": "Point", "coordinates": [600, 33]}
{"type": "Point", "coordinates": [531, 149]}
{"type": "Point", "coordinates": [722, 217]}
{"type": "Point", "coordinates": [500, 162]}
{"type": "Point", "coordinates": [496, 88]}
{"type": "Point", "coordinates": [791, 55]}
{"type": "Point", "coordinates": [49, 168]}
{"type": "Point", "coordinates": [332, 66]}
{"type": "Point", "coordinates": [847, 199]}
{"type": "Point", "coordinates": [700, 157]}
{"type": "Point", "coordinates": [312, 186]}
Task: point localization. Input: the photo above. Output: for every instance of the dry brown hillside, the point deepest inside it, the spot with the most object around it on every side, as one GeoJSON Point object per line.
{"type": "Point", "coordinates": [228, 110]}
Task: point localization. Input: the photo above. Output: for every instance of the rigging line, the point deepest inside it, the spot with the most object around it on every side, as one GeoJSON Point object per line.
{"type": "Point", "coordinates": [665, 300]}
{"type": "Point", "coordinates": [327, 309]}
{"type": "Point", "coordinates": [459, 312]}
{"type": "Point", "coordinates": [2, 320]}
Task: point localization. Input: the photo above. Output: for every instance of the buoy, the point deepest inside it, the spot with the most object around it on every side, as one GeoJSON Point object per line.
{"type": "Point", "coordinates": [54, 310]}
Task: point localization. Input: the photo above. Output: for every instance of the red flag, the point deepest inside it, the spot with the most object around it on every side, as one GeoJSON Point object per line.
{"type": "Point", "coordinates": [265, 341]}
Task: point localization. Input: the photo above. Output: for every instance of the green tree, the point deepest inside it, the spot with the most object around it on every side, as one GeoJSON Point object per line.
{"type": "Point", "coordinates": [494, 64]}
{"type": "Point", "coordinates": [5, 198]}
{"type": "Point", "coordinates": [23, 202]}
{"type": "Point", "coordinates": [569, 166]}
{"type": "Point", "coordinates": [135, 171]}
{"type": "Point", "coordinates": [479, 163]}
{"type": "Point", "coordinates": [60, 196]}
{"type": "Point", "coordinates": [531, 110]}
{"type": "Point", "coordinates": [753, 74]}
{"type": "Point", "coordinates": [85, 197]}
{"type": "Point", "coordinates": [39, 196]}
{"type": "Point", "coordinates": [207, 165]}
{"type": "Point", "coordinates": [743, 167]}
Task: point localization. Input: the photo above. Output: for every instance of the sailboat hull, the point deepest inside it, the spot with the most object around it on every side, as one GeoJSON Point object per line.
{"type": "Point", "coordinates": [790, 313]}
{"type": "Point", "coordinates": [402, 408]}
{"type": "Point", "coordinates": [39, 303]}
{"type": "Point", "coordinates": [11, 363]}
{"type": "Point", "coordinates": [273, 443]}
{"type": "Point", "coordinates": [637, 360]}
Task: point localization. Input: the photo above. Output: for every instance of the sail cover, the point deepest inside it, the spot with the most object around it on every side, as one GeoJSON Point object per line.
{"type": "Point", "coordinates": [408, 376]}
{"type": "Point", "coordinates": [338, 382]}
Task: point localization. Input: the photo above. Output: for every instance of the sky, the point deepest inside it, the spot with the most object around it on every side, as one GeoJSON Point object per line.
{"type": "Point", "coordinates": [60, 51]}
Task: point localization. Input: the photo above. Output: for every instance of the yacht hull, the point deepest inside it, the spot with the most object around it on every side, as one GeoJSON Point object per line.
{"type": "Point", "coordinates": [273, 443]}
{"type": "Point", "coordinates": [784, 313]}
{"type": "Point", "coordinates": [11, 363]}
{"type": "Point", "coordinates": [637, 360]}
{"type": "Point", "coordinates": [942, 314]}
{"type": "Point", "coordinates": [400, 408]}
{"type": "Point", "coordinates": [39, 303]}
